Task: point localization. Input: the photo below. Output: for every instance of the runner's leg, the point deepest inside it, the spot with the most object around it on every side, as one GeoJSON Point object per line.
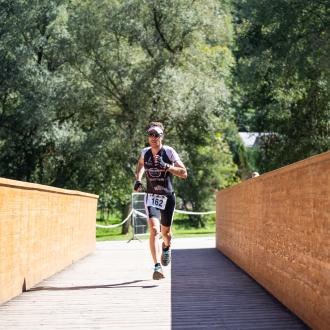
{"type": "Point", "coordinates": [167, 220]}
{"type": "Point", "coordinates": [155, 248]}
{"type": "Point", "coordinates": [166, 230]}
{"type": "Point", "coordinates": [167, 235]}
{"type": "Point", "coordinates": [154, 239]}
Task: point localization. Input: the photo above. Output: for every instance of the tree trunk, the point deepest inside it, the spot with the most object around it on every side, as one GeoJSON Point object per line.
{"type": "Point", "coordinates": [125, 210]}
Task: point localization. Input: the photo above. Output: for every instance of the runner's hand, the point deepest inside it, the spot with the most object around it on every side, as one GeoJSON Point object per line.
{"type": "Point", "coordinates": [138, 186]}
{"type": "Point", "coordinates": [159, 162]}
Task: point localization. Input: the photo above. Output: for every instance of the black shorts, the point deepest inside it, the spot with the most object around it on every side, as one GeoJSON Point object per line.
{"type": "Point", "coordinates": [166, 215]}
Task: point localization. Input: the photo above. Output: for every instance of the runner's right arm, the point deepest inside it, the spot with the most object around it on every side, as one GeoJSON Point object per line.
{"type": "Point", "coordinates": [138, 174]}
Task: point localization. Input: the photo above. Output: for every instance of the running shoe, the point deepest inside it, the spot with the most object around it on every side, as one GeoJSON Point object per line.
{"type": "Point", "coordinates": [158, 273]}
{"type": "Point", "coordinates": [166, 257]}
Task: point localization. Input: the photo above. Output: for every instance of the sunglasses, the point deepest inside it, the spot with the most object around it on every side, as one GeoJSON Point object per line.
{"type": "Point", "coordinates": [156, 135]}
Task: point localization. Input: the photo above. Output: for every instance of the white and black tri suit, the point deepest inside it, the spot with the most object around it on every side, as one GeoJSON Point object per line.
{"type": "Point", "coordinates": [160, 182]}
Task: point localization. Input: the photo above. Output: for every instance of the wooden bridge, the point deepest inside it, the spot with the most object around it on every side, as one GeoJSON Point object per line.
{"type": "Point", "coordinates": [276, 227]}
{"type": "Point", "coordinates": [112, 289]}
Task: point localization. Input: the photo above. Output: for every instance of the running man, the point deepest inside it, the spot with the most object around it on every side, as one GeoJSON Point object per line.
{"type": "Point", "coordinates": [160, 163]}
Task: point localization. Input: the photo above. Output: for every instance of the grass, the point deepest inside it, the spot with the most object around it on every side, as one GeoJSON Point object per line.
{"type": "Point", "coordinates": [182, 227]}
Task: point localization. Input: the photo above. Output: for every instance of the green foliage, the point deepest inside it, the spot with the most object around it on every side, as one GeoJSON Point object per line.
{"type": "Point", "coordinates": [82, 79]}
{"type": "Point", "coordinates": [27, 87]}
{"type": "Point", "coordinates": [283, 49]}
{"type": "Point", "coordinates": [162, 61]}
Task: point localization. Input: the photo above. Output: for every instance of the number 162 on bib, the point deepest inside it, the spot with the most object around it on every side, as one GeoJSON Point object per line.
{"type": "Point", "coordinates": [158, 201]}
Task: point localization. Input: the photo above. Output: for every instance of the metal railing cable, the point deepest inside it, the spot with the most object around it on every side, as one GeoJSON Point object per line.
{"type": "Point", "coordinates": [144, 216]}
{"type": "Point", "coordinates": [118, 224]}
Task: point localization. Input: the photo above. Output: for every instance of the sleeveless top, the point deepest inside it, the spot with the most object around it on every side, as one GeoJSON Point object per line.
{"type": "Point", "coordinates": [159, 181]}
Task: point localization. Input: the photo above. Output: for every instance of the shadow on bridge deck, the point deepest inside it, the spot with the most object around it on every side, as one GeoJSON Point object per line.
{"type": "Point", "coordinates": [210, 292]}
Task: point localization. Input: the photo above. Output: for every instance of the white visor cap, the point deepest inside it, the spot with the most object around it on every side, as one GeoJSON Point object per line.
{"type": "Point", "coordinates": [155, 129]}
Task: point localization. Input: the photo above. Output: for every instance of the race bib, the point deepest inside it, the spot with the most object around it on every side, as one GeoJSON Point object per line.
{"type": "Point", "coordinates": [158, 201]}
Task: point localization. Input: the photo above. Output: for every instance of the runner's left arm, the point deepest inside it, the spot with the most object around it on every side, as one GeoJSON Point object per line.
{"type": "Point", "coordinates": [178, 169]}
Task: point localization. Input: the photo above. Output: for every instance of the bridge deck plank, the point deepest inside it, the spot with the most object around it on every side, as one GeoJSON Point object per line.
{"type": "Point", "coordinates": [112, 289]}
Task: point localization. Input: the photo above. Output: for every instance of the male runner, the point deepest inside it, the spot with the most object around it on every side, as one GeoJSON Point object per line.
{"type": "Point", "coordinates": [160, 163]}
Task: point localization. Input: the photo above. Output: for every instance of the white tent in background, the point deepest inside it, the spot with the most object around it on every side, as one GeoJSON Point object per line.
{"type": "Point", "coordinates": [251, 139]}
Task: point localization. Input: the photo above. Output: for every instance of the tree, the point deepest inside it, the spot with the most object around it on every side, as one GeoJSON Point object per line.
{"type": "Point", "coordinates": [283, 74]}
{"type": "Point", "coordinates": [28, 87]}
{"type": "Point", "coordinates": [83, 79]}
{"type": "Point", "coordinates": [165, 61]}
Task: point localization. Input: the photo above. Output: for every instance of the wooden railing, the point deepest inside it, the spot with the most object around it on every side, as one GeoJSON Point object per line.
{"type": "Point", "coordinates": [42, 230]}
{"type": "Point", "coordinates": [277, 228]}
